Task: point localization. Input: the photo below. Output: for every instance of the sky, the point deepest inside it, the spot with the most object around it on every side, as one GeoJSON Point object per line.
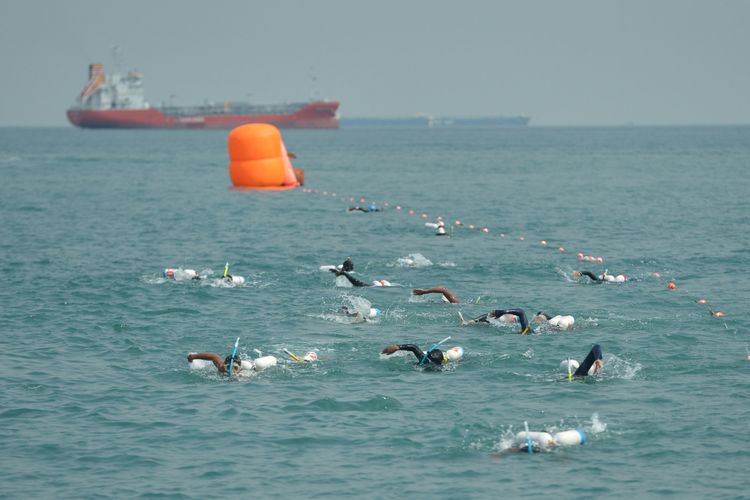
{"type": "Point", "coordinates": [560, 62]}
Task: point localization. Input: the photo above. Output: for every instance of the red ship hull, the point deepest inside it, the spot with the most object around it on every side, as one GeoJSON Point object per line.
{"type": "Point", "coordinates": [313, 115]}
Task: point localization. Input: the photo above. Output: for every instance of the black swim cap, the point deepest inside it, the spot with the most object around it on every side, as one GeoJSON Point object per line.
{"type": "Point", "coordinates": [237, 360]}
{"type": "Point", "coordinates": [435, 356]}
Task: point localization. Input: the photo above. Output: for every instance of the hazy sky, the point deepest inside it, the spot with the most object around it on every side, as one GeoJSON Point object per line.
{"type": "Point", "coordinates": [561, 62]}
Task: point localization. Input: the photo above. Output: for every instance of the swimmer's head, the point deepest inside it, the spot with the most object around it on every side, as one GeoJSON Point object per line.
{"type": "Point", "coordinates": [441, 230]}
{"type": "Point", "coordinates": [567, 365]}
{"type": "Point", "coordinates": [541, 316]}
{"type": "Point", "coordinates": [348, 265]}
{"type": "Point", "coordinates": [374, 312]}
{"type": "Point", "coordinates": [236, 365]}
{"type": "Point", "coordinates": [437, 357]}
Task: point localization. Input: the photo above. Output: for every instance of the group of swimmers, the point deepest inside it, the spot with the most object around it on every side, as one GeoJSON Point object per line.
{"type": "Point", "coordinates": [434, 356]}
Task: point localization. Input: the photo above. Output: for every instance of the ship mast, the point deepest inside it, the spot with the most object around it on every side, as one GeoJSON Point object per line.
{"type": "Point", "coordinates": [117, 58]}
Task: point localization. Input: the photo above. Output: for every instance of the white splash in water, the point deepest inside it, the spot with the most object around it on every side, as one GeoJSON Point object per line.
{"type": "Point", "coordinates": [413, 260]}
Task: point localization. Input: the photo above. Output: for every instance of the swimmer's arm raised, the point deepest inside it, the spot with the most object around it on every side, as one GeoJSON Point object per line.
{"type": "Point", "coordinates": [354, 281]}
{"type": "Point", "coordinates": [404, 347]}
{"type": "Point", "coordinates": [589, 274]}
{"type": "Point", "coordinates": [438, 289]}
{"type": "Point", "coordinates": [519, 313]}
{"type": "Point", "coordinates": [207, 356]}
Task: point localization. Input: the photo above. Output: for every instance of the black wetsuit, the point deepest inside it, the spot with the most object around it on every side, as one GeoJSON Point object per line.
{"type": "Point", "coordinates": [594, 354]}
{"type": "Point", "coordinates": [592, 276]}
{"type": "Point", "coordinates": [484, 318]}
{"type": "Point", "coordinates": [434, 357]}
{"type": "Point", "coordinates": [354, 281]}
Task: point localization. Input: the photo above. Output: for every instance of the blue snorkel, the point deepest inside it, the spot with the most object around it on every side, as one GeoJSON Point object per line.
{"type": "Point", "coordinates": [234, 352]}
{"type": "Point", "coordinates": [528, 438]}
{"type": "Point", "coordinates": [434, 346]}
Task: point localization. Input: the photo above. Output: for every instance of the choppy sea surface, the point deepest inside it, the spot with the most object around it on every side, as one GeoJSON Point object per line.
{"type": "Point", "coordinates": [98, 399]}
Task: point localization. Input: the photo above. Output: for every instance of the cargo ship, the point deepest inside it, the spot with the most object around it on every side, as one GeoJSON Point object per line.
{"type": "Point", "coordinates": [117, 101]}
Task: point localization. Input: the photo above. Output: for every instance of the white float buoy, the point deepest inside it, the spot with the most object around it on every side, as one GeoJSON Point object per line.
{"type": "Point", "coordinates": [455, 353]}
{"type": "Point", "coordinates": [260, 364]}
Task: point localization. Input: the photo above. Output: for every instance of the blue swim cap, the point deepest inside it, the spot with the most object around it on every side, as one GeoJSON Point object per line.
{"type": "Point", "coordinates": [583, 436]}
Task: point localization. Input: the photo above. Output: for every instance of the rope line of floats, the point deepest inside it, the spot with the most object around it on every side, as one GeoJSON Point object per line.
{"type": "Point", "coordinates": [671, 283]}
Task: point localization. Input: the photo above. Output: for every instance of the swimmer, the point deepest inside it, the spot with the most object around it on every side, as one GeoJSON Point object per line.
{"type": "Point", "coordinates": [497, 314]}
{"type": "Point", "coordinates": [347, 266]}
{"type": "Point", "coordinates": [439, 225]}
{"type": "Point", "coordinates": [605, 277]}
{"type": "Point", "coordinates": [233, 280]}
{"type": "Point", "coordinates": [354, 281]}
{"type": "Point", "coordinates": [229, 279]}
{"type": "Point", "coordinates": [371, 208]}
{"type": "Point", "coordinates": [561, 322]}
{"type": "Point", "coordinates": [357, 283]}
{"type": "Point", "coordinates": [180, 274]}
{"type": "Point", "coordinates": [536, 442]}
{"type": "Point", "coordinates": [717, 314]}
{"type": "Point", "coordinates": [358, 316]}
{"type": "Point", "coordinates": [447, 294]}
{"type": "Point", "coordinates": [434, 357]}
{"type": "Point", "coordinates": [222, 365]}
{"type": "Point", "coordinates": [591, 365]}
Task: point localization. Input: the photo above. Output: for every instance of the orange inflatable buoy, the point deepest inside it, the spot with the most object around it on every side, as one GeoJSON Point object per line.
{"type": "Point", "coordinates": [258, 158]}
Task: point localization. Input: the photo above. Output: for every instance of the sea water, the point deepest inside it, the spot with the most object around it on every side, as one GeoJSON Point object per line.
{"type": "Point", "coordinates": [98, 399]}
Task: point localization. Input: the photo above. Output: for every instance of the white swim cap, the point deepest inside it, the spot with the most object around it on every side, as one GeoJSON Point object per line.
{"type": "Point", "coordinates": [455, 353]}
{"type": "Point", "coordinates": [441, 230]}
{"type": "Point", "coordinates": [310, 356]}
{"type": "Point", "coordinates": [191, 273]}
{"type": "Point", "coordinates": [572, 363]}
{"type": "Point", "coordinates": [238, 280]}
{"type": "Point", "coordinates": [374, 311]}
